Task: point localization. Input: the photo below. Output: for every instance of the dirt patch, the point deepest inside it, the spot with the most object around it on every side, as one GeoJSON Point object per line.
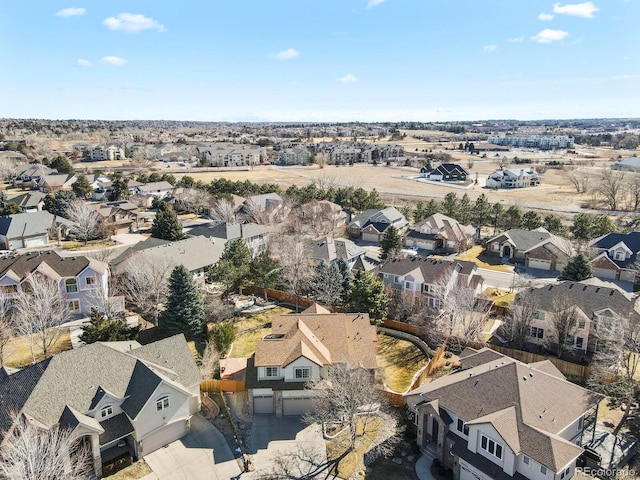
{"type": "Point", "coordinates": [134, 471]}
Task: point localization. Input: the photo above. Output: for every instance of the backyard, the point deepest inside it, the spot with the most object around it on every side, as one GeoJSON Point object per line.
{"type": "Point", "coordinates": [400, 360]}
{"type": "Point", "coordinates": [250, 328]}
{"type": "Point", "coordinates": [18, 352]}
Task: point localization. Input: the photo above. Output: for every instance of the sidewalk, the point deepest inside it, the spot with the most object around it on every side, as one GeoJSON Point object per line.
{"type": "Point", "coordinates": [423, 465]}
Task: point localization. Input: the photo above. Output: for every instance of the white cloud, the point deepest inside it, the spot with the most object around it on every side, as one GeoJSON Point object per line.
{"type": "Point", "coordinates": [132, 23]}
{"type": "Point", "coordinates": [348, 78]}
{"type": "Point", "coordinates": [71, 12]}
{"type": "Point", "coordinates": [490, 48]}
{"type": "Point", "coordinates": [515, 40]}
{"type": "Point", "coordinates": [545, 17]}
{"type": "Point", "coordinates": [81, 62]}
{"type": "Point", "coordinates": [547, 36]}
{"type": "Point", "coordinates": [111, 60]}
{"type": "Point", "coordinates": [287, 54]}
{"type": "Point", "coordinates": [585, 10]}
{"type": "Point", "coordinates": [374, 3]}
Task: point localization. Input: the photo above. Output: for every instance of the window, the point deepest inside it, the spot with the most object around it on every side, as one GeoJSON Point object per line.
{"type": "Point", "coordinates": [537, 332]}
{"type": "Point", "coordinates": [462, 427]}
{"type": "Point", "coordinates": [73, 306]}
{"type": "Point", "coordinates": [580, 323]}
{"type": "Point", "coordinates": [90, 280]}
{"type": "Point", "coordinates": [543, 470]}
{"type": "Point", "coordinates": [579, 342]}
{"type": "Point", "coordinates": [272, 371]}
{"type": "Point", "coordinates": [71, 285]}
{"type": "Point", "coordinates": [304, 372]}
{"type": "Point", "coordinates": [540, 315]}
{"type": "Point", "coordinates": [396, 279]}
{"type": "Point", "coordinates": [106, 411]}
{"type": "Point", "coordinates": [408, 285]}
{"type": "Point", "coordinates": [618, 255]}
{"type": "Point", "coordinates": [580, 425]}
{"type": "Point", "coordinates": [526, 460]}
{"type": "Point", "coordinates": [162, 403]}
{"type": "Point", "coordinates": [495, 247]}
{"type": "Point", "coordinates": [490, 446]}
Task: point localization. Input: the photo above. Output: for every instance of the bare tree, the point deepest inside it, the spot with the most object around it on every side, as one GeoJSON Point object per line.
{"type": "Point", "coordinates": [633, 187]}
{"type": "Point", "coordinates": [294, 264]}
{"type": "Point", "coordinates": [40, 309]}
{"type": "Point", "coordinates": [503, 162]}
{"type": "Point", "coordinates": [610, 186]}
{"type": "Point", "coordinates": [195, 200]}
{"type": "Point", "coordinates": [516, 327]}
{"type": "Point", "coordinates": [144, 284]}
{"type": "Point", "coordinates": [29, 451]}
{"type": "Point", "coordinates": [256, 212]}
{"type": "Point", "coordinates": [305, 462]}
{"type": "Point", "coordinates": [563, 322]}
{"type": "Point", "coordinates": [209, 362]}
{"type": "Point", "coordinates": [6, 330]}
{"type": "Point", "coordinates": [322, 158]}
{"type": "Point", "coordinates": [579, 179]}
{"type": "Point", "coordinates": [346, 399]}
{"type": "Point", "coordinates": [8, 169]}
{"type": "Point", "coordinates": [86, 220]}
{"type": "Point", "coordinates": [223, 212]}
{"type": "Point", "coordinates": [325, 182]}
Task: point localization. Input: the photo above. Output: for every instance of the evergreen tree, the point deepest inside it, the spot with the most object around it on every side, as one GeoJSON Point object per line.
{"type": "Point", "coordinates": [450, 205]}
{"type": "Point", "coordinates": [554, 225]}
{"type": "Point", "coordinates": [431, 207]}
{"type": "Point", "coordinates": [374, 201]}
{"type": "Point", "coordinates": [420, 213]}
{"type": "Point", "coordinates": [222, 335]}
{"type": "Point", "coordinates": [119, 189]}
{"type": "Point", "coordinates": [263, 271]}
{"type": "Point", "coordinates": [391, 243]}
{"type": "Point", "coordinates": [577, 269]}
{"type": "Point", "coordinates": [61, 164]}
{"type": "Point", "coordinates": [602, 225]}
{"type": "Point", "coordinates": [49, 204]}
{"type": "Point", "coordinates": [582, 226]}
{"type": "Point", "coordinates": [531, 220]}
{"type": "Point", "coordinates": [81, 187]}
{"type": "Point", "coordinates": [367, 295]}
{"type": "Point", "coordinates": [482, 211]}
{"type": "Point", "coordinates": [166, 224]}
{"type": "Point", "coordinates": [233, 268]}
{"type": "Point", "coordinates": [513, 217]}
{"type": "Point", "coordinates": [103, 329]}
{"type": "Point", "coordinates": [347, 277]}
{"type": "Point", "coordinates": [465, 210]}
{"type": "Point", "coordinates": [10, 208]}
{"type": "Point", "coordinates": [497, 214]}
{"type": "Point", "coordinates": [185, 306]}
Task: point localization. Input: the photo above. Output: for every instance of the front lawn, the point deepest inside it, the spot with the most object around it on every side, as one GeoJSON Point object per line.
{"type": "Point", "coordinates": [401, 360]}
{"type": "Point", "coordinates": [474, 254]}
{"type": "Point", "coordinates": [251, 328]}
{"type": "Point", "coordinates": [18, 352]}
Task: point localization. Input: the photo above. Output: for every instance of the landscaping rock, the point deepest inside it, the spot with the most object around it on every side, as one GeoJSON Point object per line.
{"type": "Point", "coordinates": [397, 460]}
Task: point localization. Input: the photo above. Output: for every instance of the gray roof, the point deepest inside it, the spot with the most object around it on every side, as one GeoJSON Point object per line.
{"type": "Point", "coordinates": [386, 215]}
{"type": "Point", "coordinates": [28, 199]}
{"type": "Point", "coordinates": [34, 170]}
{"type": "Point", "coordinates": [115, 427]}
{"type": "Point", "coordinates": [142, 384]}
{"type": "Point", "coordinates": [330, 249]}
{"type": "Point", "coordinates": [22, 225]}
{"type": "Point", "coordinates": [153, 186]}
{"type": "Point", "coordinates": [523, 239]}
{"type": "Point", "coordinates": [426, 268]}
{"type": "Point", "coordinates": [230, 231]}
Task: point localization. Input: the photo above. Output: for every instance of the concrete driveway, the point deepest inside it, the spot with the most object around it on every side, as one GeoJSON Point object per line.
{"type": "Point", "coordinates": [203, 454]}
{"type": "Point", "coordinates": [282, 437]}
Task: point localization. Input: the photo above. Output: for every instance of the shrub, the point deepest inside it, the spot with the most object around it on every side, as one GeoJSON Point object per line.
{"type": "Point", "coordinates": [222, 335]}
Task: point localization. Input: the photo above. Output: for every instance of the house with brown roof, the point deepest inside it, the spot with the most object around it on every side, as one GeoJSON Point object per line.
{"type": "Point", "coordinates": [499, 418]}
{"type": "Point", "coordinates": [439, 232]}
{"type": "Point", "coordinates": [299, 349]}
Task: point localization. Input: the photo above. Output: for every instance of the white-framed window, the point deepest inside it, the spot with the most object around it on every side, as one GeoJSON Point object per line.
{"type": "Point", "coordinates": [543, 470]}
{"type": "Point", "coordinates": [491, 446]}
{"type": "Point", "coordinates": [580, 323]}
{"type": "Point", "coordinates": [272, 371]}
{"type": "Point", "coordinates": [537, 332]}
{"type": "Point", "coordinates": [618, 255]}
{"type": "Point", "coordinates": [73, 306]}
{"type": "Point", "coordinates": [408, 285]}
{"type": "Point", "coordinates": [71, 285]}
{"type": "Point", "coordinates": [90, 281]}
{"type": "Point", "coordinates": [495, 247]}
{"type": "Point", "coordinates": [106, 411]}
{"type": "Point", "coordinates": [162, 403]}
{"type": "Point", "coordinates": [579, 342]}
{"type": "Point", "coordinates": [396, 279]}
{"type": "Point", "coordinates": [526, 460]}
{"type": "Point", "coordinates": [302, 373]}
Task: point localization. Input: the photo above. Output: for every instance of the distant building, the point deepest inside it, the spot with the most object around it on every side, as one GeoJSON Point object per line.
{"type": "Point", "coordinates": [446, 172]}
{"type": "Point", "coordinates": [224, 154]}
{"type": "Point", "coordinates": [517, 178]}
{"type": "Point", "coordinates": [543, 142]}
{"type": "Point", "coordinates": [101, 153]}
{"type": "Point", "coordinates": [631, 164]}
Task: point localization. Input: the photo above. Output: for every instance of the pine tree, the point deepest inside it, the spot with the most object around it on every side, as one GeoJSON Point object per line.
{"type": "Point", "coordinates": [513, 217]}
{"type": "Point", "coordinates": [602, 225]}
{"type": "Point", "coordinates": [420, 212]}
{"type": "Point", "coordinates": [465, 210]}
{"type": "Point", "coordinates": [81, 187]}
{"type": "Point", "coordinates": [103, 329]}
{"type": "Point", "coordinates": [450, 206]}
{"type": "Point", "coordinates": [185, 306]}
{"type": "Point", "coordinates": [391, 243]}
{"type": "Point", "coordinates": [482, 211]}
{"type": "Point", "coordinates": [554, 225]}
{"type": "Point", "coordinates": [263, 270]}
{"type": "Point", "coordinates": [367, 295]}
{"type": "Point", "coordinates": [166, 224]}
{"type": "Point", "coordinates": [577, 269]}
{"type": "Point", "coordinates": [582, 227]}
{"type": "Point", "coordinates": [531, 220]}
{"type": "Point", "coordinates": [233, 268]}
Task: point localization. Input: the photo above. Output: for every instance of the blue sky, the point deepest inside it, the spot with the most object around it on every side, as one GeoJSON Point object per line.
{"type": "Point", "coordinates": [302, 60]}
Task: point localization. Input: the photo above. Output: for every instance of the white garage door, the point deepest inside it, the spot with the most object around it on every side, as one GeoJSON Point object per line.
{"type": "Point", "coordinates": [604, 273]}
{"type": "Point", "coordinates": [539, 264]}
{"type": "Point", "coordinates": [296, 405]}
{"type": "Point", "coordinates": [370, 237]}
{"type": "Point", "coordinates": [164, 436]}
{"type": "Point", "coordinates": [35, 242]}
{"type": "Point", "coordinates": [263, 404]}
{"type": "Point", "coordinates": [16, 244]}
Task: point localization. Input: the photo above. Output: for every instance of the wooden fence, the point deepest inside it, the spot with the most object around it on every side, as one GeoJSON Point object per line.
{"type": "Point", "coordinates": [402, 326]}
{"type": "Point", "coordinates": [211, 386]}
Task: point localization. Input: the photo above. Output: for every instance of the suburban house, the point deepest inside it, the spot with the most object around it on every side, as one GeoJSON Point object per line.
{"type": "Point", "coordinates": [439, 232]}
{"type": "Point", "coordinates": [300, 348]}
{"type": "Point", "coordinates": [55, 182]}
{"type": "Point", "coordinates": [320, 217]}
{"type": "Point", "coordinates": [589, 304]}
{"type": "Point", "coordinates": [27, 230]}
{"type": "Point", "coordinates": [121, 399]}
{"type": "Point", "coordinates": [197, 254]}
{"type": "Point", "coordinates": [255, 236]}
{"type": "Point", "coordinates": [616, 256]}
{"type": "Point", "coordinates": [101, 153]}
{"type": "Point", "coordinates": [534, 248]}
{"type": "Point", "coordinates": [445, 172]}
{"type": "Point", "coordinates": [267, 208]}
{"type": "Point", "coordinates": [498, 418]}
{"type": "Point", "coordinates": [330, 249]}
{"type": "Point", "coordinates": [156, 189]}
{"type": "Point", "coordinates": [32, 201]}
{"type": "Point", "coordinates": [12, 156]}
{"type": "Point", "coordinates": [83, 280]}
{"type": "Point", "coordinates": [30, 173]}
{"type": "Point", "coordinates": [119, 217]}
{"type": "Point", "coordinates": [431, 277]}
{"type": "Point", "coordinates": [371, 224]}
{"type": "Point", "coordinates": [518, 178]}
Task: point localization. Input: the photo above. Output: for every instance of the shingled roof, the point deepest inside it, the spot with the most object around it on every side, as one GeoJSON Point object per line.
{"type": "Point", "coordinates": [23, 265]}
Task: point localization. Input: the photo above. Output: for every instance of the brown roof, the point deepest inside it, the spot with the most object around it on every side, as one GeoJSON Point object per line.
{"type": "Point", "coordinates": [23, 265]}
{"type": "Point", "coordinates": [528, 406]}
{"type": "Point", "coordinates": [323, 338]}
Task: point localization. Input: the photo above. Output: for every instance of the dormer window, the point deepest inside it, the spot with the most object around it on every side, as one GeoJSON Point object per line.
{"type": "Point", "coordinates": [162, 403]}
{"type": "Point", "coordinates": [106, 411]}
{"type": "Point", "coordinates": [618, 255]}
{"type": "Point", "coordinates": [272, 371]}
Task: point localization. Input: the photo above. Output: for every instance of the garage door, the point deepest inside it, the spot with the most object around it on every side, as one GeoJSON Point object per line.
{"type": "Point", "coordinates": [164, 436]}
{"type": "Point", "coordinates": [263, 404]}
{"type": "Point", "coordinates": [35, 242]}
{"type": "Point", "coordinates": [296, 405]}
{"type": "Point", "coordinates": [16, 244]}
{"type": "Point", "coordinates": [604, 273]}
{"type": "Point", "coordinates": [540, 264]}
{"type": "Point", "coordinates": [370, 237]}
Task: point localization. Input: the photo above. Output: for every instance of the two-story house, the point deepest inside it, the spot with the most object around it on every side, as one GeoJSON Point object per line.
{"type": "Point", "coordinates": [31, 230]}
{"type": "Point", "coordinates": [255, 236]}
{"type": "Point", "coordinates": [371, 224]}
{"type": "Point", "coordinates": [534, 248]}
{"type": "Point", "coordinates": [500, 419]}
{"type": "Point", "coordinates": [445, 172]}
{"type": "Point", "coordinates": [330, 249]}
{"type": "Point", "coordinates": [439, 232]}
{"type": "Point", "coordinates": [518, 178]}
{"type": "Point", "coordinates": [300, 348]}
{"type": "Point", "coordinates": [589, 304]}
{"type": "Point", "coordinates": [616, 256]}
{"type": "Point", "coordinates": [82, 280]}
{"type": "Point", "coordinates": [120, 399]}
{"type": "Point", "coordinates": [29, 174]}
